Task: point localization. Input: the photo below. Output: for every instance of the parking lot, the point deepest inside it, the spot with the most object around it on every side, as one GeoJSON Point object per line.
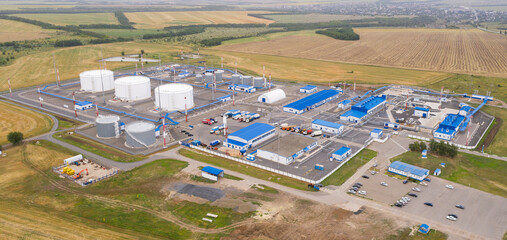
{"type": "Point", "coordinates": [388, 195]}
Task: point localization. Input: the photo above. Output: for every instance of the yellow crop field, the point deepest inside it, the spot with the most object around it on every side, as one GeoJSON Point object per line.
{"type": "Point", "coordinates": [72, 19]}
{"type": "Point", "coordinates": [156, 20]}
{"type": "Point", "coordinates": [14, 118]}
{"type": "Point", "coordinates": [308, 70]}
{"type": "Point", "coordinates": [456, 51]}
{"type": "Point", "coordinates": [37, 68]}
{"type": "Point", "coordinates": [18, 31]}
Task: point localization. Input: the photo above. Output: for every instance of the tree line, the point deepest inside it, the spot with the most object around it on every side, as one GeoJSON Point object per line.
{"type": "Point", "coordinates": [217, 41]}
{"type": "Point", "coordinates": [340, 33]}
{"type": "Point", "coordinates": [439, 148]}
{"type": "Point", "coordinates": [183, 32]}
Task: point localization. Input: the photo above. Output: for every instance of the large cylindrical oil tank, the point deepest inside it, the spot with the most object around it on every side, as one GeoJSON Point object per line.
{"type": "Point", "coordinates": [140, 134]}
{"type": "Point", "coordinates": [132, 88]}
{"type": "Point", "coordinates": [247, 80]}
{"type": "Point", "coordinates": [236, 79]}
{"type": "Point", "coordinates": [218, 75]}
{"type": "Point", "coordinates": [208, 77]}
{"type": "Point", "coordinates": [198, 78]}
{"type": "Point", "coordinates": [97, 80]}
{"type": "Point", "coordinates": [174, 96]}
{"type": "Point", "coordinates": [258, 82]}
{"type": "Point", "coordinates": [108, 126]}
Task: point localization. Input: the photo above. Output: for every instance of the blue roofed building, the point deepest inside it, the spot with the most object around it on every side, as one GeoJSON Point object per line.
{"type": "Point", "coordinates": [408, 170]}
{"type": "Point", "coordinates": [424, 228]}
{"type": "Point", "coordinates": [242, 88]}
{"type": "Point", "coordinates": [326, 126]}
{"type": "Point", "coordinates": [250, 136]}
{"type": "Point", "coordinates": [310, 102]}
{"type": "Point", "coordinates": [345, 104]}
{"type": "Point", "coordinates": [448, 128]}
{"type": "Point", "coordinates": [421, 112]}
{"type": "Point", "coordinates": [464, 110]}
{"type": "Point", "coordinates": [376, 133]}
{"type": "Point", "coordinates": [308, 89]}
{"type": "Point", "coordinates": [364, 108]}
{"type": "Point", "coordinates": [342, 153]}
{"type": "Point", "coordinates": [212, 173]}
{"type": "Point", "coordinates": [83, 105]}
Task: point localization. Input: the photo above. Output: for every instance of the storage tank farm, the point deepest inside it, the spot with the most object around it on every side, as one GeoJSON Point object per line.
{"type": "Point", "coordinates": [247, 80]}
{"type": "Point", "coordinates": [97, 80]}
{"type": "Point", "coordinates": [108, 126]}
{"type": "Point", "coordinates": [198, 78]}
{"type": "Point", "coordinates": [140, 134]}
{"type": "Point", "coordinates": [208, 77]}
{"type": "Point", "coordinates": [132, 88]}
{"type": "Point", "coordinates": [219, 75]}
{"type": "Point", "coordinates": [174, 96]}
{"type": "Point", "coordinates": [258, 82]}
{"type": "Point", "coordinates": [236, 79]}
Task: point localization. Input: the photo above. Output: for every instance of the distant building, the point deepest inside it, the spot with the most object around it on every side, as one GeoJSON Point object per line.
{"type": "Point", "coordinates": [376, 133]}
{"type": "Point", "coordinates": [342, 153]}
{"type": "Point", "coordinates": [83, 105]}
{"type": "Point", "coordinates": [408, 170]}
{"type": "Point", "coordinates": [366, 107]}
{"type": "Point", "coordinates": [272, 96]}
{"type": "Point", "coordinates": [242, 88]}
{"type": "Point", "coordinates": [212, 173]}
{"type": "Point", "coordinates": [345, 104]}
{"type": "Point", "coordinates": [308, 89]}
{"type": "Point", "coordinates": [312, 101]}
{"type": "Point", "coordinates": [250, 136]}
{"type": "Point", "coordinates": [326, 126]}
{"type": "Point", "coordinates": [421, 112]}
{"type": "Point", "coordinates": [287, 148]}
{"type": "Point", "coordinates": [448, 128]}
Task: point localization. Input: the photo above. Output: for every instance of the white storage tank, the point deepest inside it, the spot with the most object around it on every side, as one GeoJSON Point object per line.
{"type": "Point", "coordinates": [198, 78]}
{"type": "Point", "coordinates": [132, 88]}
{"type": "Point", "coordinates": [92, 81]}
{"type": "Point", "coordinates": [208, 77]}
{"type": "Point", "coordinates": [108, 126]}
{"type": "Point", "coordinates": [174, 96]}
{"type": "Point", "coordinates": [258, 82]}
{"type": "Point", "coordinates": [236, 79]}
{"type": "Point", "coordinates": [218, 75]}
{"type": "Point", "coordinates": [140, 134]}
{"type": "Point", "coordinates": [247, 80]}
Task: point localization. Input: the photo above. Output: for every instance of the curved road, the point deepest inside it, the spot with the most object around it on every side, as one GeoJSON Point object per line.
{"type": "Point", "coordinates": [335, 197]}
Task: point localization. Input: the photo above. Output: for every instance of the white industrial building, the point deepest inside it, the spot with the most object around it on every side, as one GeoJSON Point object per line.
{"type": "Point", "coordinates": [421, 112]}
{"type": "Point", "coordinates": [97, 80]}
{"type": "Point", "coordinates": [308, 89]}
{"type": "Point", "coordinates": [376, 133]}
{"type": "Point", "coordinates": [272, 96]}
{"type": "Point", "coordinates": [326, 126]}
{"type": "Point", "coordinates": [250, 136]}
{"type": "Point", "coordinates": [287, 148]}
{"type": "Point", "coordinates": [132, 88]}
{"type": "Point", "coordinates": [174, 96]}
{"type": "Point", "coordinates": [342, 153]}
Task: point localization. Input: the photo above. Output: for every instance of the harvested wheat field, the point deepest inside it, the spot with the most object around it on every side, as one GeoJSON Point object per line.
{"type": "Point", "coordinates": [156, 20]}
{"type": "Point", "coordinates": [18, 31]}
{"type": "Point", "coordinates": [14, 118]}
{"type": "Point", "coordinates": [457, 51]}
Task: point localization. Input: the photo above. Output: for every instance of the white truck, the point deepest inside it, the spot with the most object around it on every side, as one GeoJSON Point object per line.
{"type": "Point", "coordinates": [316, 133]}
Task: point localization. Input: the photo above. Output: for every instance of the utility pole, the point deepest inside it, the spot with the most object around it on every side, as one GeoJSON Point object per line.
{"type": "Point", "coordinates": [40, 98]}
{"type": "Point", "coordinates": [10, 89]}
{"type": "Point", "coordinates": [74, 99]}
{"type": "Point", "coordinates": [56, 73]}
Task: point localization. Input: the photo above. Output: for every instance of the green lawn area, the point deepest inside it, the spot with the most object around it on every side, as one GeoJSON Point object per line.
{"type": "Point", "coordinates": [126, 33]}
{"type": "Point", "coordinates": [349, 168]}
{"type": "Point", "coordinates": [73, 19]}
{"type": "Point", "coordinates": [97, 148]}
{"type": "Point", "coordinates": [65, 123]}
{"type": "Point", "coordinates": [485, 174]}
{"type": "Point", "coordinates": [404, 234]}
{"type": "Point", "coordinates": [248, 170]}
{"type": "Point", "coordinates": [499, 144]}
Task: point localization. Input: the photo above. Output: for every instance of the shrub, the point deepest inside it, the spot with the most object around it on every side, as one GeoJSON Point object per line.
{"type": "Point", "coordinates": [15, 137]}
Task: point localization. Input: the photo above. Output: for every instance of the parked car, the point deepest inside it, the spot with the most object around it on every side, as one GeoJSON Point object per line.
{"type": "Point", "coordinates": [362, 192]}
{"type": "Point", "coordinates": [428, 204]}
{"type": "Point", "coordinates": [427, 180]}
{"type": "Point", "coordinates": [183, 131]}
{"type": "Point", "coordinates": [460, 206]}
{"type": "Point", "coordinates": [352, 191]}
{"type": "Point", "coordinates": [451, 218]}
{"type": "Point", "coordinates": [398, 205]}
{"type": "Point", "coordinates": [384, 184]}
{"type": "Point", "coordinates": [412, 194]}
{"type": "Point", "coordinates": [449, 186]}
{"type": "Point", "coordinates": [423, 183]}
{"type": "Point", "coordinates": [453, 215]}
{"type": "Point", "coordinates": [364, 176]}
{"type": "Point", "coordinates": [405, 182]}
{"type": "Point", "coordinates": [190, 135]}
{"type": "Point", "coordinates": [358, 183]}
{"type": "Point", "coordinates": [416, 189]}
{"type": "Point", "coordinates": [373, 172]}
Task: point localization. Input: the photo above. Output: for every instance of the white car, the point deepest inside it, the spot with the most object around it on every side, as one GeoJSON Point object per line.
{"type": "Point", "coordinates": [352, 191]}
{"type": "Point", "coordinates": [416, 189]}
{"type": "Point", "coordinates": [362, 192]}
{"type": "Point", "coordinates": [423, 183]}
{"type": "Point", "coordinates": [449, 186]}
{"type": "Point", "coordinates": [384, 184]}
{"type": "Point", "coordinates": [373, 172]}
{"type": "Point", "coordinates": [451, 218]}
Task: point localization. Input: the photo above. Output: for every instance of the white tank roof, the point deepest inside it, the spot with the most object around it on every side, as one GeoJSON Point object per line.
{"type": "Point", "coordinates": [97, 72]}
{"type": "Point", "coordinates": [107, 119]}
{"type": "Point", "coordinates": [140, 127]}
{"type": "Point", "coordinates": [132, 80]}
{"type": "Point", "coordinates": [175, 88]}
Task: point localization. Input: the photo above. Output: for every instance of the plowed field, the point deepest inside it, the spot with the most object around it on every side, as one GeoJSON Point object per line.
{"type": "Point", "coordinates": [458, 51]}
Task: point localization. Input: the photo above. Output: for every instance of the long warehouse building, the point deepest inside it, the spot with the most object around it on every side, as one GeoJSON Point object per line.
{"type": "Point", "coordinates": [312, 101]}
{"type": "Point", "coordinates": [250, 136]}
{"type": "Point", "coordinates": [362, 109]}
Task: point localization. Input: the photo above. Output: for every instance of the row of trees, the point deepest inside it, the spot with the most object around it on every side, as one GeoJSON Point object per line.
{"type": "Point", "coordinates": [341, 34]}
{"type": "Point", "coordinates": [217, 41]}
{"type": "Point", "coordinates": [440, 148]}
{"type": "Point", "coordinates": [184, 32]}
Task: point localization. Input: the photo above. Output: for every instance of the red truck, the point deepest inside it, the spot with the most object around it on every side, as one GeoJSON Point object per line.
{"type": "Point", "coordinates": [209, 121]}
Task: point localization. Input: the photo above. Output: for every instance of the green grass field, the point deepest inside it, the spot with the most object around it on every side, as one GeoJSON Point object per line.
{"type": "Point", "coordinates": [347, 170]}
{"type": "Point", "coordinates": [238, 167]}
{"type": "Point", "coordinates": [73, 19]}
{"type": "Point", "coordinates": [404, 234]}
{"type": "Point", "coordinates": [96, 147]}
{"type": "Point", "coordinates": [485, 174]}
{"type": "Point", "coordinates": [14, 118]}
{"type": "Point", "coordinates": [126, 33]}
{"type": "Point", "coordinates": [499, 144]}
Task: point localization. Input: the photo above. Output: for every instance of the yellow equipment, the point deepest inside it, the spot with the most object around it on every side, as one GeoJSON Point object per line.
{"type": "Point", "coordinates": [71, 172]}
